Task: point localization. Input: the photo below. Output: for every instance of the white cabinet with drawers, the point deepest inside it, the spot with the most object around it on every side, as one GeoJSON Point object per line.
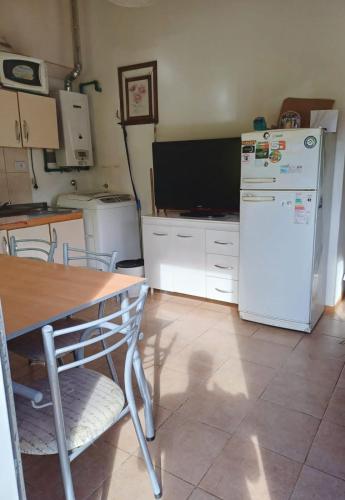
{"type": "Point", "coordinates": [192, 256]}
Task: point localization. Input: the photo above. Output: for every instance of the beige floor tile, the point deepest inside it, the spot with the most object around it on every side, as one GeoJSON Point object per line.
{"type": "Point", "coordinates": [239, 377]}
{"type": "Point", "coordinates": [315, 485]}
{"type": "Point", "coordinates": [341, 380]}
{"type": "Point", "coordinates": [233, 324]}
{"type": "Point", "coordinates": [261, 352]}
{"type": "Point", "coordinates": [131, 482]}
{"type": "Point", "coordinates": [323, 371]}
{"type": "Point", "coordinates": [329, 326]}
{"type": "Point", "coordinates": [322, 347]}
{"type": "Point", "coordinates": [201, 358]}
{"type": "Point", "coordinates": [297, 393]}
{"type": "Point", "coordinates": [209, 317]}
{"type": "Point", "coordinates": [217, 408]}
{"type": "Point", "coordinates": [156, 350]}
{"type": "Point", "coordinates": [278, 429]}
{"type": "Point", "coordinates": [245, 471]}
{"type": "Point", "coordinates": [123, 435]}
{"type": "Point", "coordinates": [336, 409]}
{"type": "Point", "coordinates": [278, 335]}
{"type": "Point", "coordinates": [328, 450]}
{"type": "Point", "coordinates": [171, 388]}
{"type": "Point", "coordinates": [219, 307]}
{"type": "Point", "coordinates": [187, 448]}
{"type": "Point", "coordinates": [167, 310]}
{"type": "Point", "coordinates": [185, 330]}
{"type": "Point", "coordinates": [199, 494]}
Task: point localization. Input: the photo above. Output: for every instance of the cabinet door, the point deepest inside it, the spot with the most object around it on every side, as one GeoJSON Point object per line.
{"type": "Point", "coordinates": [36, 232]}
{"type": "Point", "coordinates": [188, 262]}
{"type": "Point", "coordinates": [69, 231]}
{"type": "Point", "coordinates": [9, 120]}
{"type": "Point", "coordinates": [4, 243]}
{"type": "Point", "coordinates": [38, 121]}
{"type": "Point", "coordinates": [157, 255]}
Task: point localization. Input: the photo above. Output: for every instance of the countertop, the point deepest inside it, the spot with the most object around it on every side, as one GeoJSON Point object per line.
{"type": "Point", "coordinates": [46, 217]}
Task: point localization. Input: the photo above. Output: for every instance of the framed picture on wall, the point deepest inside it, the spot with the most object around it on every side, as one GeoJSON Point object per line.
{"type": "Point", "coordinates": [138, 93]}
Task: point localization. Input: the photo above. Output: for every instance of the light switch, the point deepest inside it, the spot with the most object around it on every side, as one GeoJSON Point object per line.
{"type": "Point", "coordinates": [20, 166]}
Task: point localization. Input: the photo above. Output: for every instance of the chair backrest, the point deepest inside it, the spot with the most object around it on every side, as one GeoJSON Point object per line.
{"type": "Point", "coordinates": [107, 327]}
{"type": "Point", "coordinates": [129, 334]}
{"type": "Point", "coordinates": [28, 245]}
{"type": "Point", "coordinates": [108, 260]}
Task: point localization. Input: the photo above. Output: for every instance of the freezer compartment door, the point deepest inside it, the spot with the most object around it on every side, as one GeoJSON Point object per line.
{"type": "Point", "coordinates": [276, 253]}
{"type": "Point", "coordinates": [281, 159]}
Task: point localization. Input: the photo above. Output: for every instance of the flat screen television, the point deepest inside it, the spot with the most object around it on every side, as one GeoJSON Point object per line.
{"type": "Point", "coordinates": [198, 175]}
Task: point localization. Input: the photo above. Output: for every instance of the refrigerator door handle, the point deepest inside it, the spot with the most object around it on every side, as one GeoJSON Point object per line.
{"type": "Point", "coordinates": [259, 180]}
{"type": "Point", "coordinates": [258, 198]}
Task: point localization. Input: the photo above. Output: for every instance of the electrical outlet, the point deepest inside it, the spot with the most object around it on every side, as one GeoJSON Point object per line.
{"type": "Point", "coordinates": [20, 166]}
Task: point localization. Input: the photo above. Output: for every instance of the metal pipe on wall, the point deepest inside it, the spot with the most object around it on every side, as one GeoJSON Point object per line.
{"type": "Point", "coordinates": [76, 47]}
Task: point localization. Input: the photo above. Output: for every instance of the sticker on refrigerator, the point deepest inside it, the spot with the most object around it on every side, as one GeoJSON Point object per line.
{"type": "Point", "coordinates": [261, 154]}
{"type": "Point", "coordinates": [290, 169]}
{"type": "Point", "coordinates": [275, 156]}
{"type": "Point", "coordinates": [248, 151]}
{"type": "Point", "coordinates": [303, 204]}
{"type": "Point", "coordinates": [278, 145]}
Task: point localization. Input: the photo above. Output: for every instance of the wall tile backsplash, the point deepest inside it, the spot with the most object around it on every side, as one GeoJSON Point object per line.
{"type": "Point", "coordinates": [15, 180]}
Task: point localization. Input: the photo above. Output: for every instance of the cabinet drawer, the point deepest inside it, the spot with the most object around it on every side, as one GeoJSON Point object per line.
{"type": "Point", "coordinates": [222, 242]}
{"type": "Point", "coordinates": [221, 289]}
{"type": "Point", "coordinates": [222, 266]}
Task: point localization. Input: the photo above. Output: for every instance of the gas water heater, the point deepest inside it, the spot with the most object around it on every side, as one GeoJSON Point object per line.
{"type": "Point", "coordinates": [75, 134]}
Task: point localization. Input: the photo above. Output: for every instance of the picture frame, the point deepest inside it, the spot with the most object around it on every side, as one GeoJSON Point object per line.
{"type": "Point", "coordinates": [138, 93]}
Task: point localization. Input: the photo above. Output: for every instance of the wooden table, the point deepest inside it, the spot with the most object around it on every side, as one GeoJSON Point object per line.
{"type": "Point", "coordinates": [33, 294]}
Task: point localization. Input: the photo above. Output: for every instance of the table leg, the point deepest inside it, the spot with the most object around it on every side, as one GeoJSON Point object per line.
{"type": "Point", "coordinates": [142, 382]}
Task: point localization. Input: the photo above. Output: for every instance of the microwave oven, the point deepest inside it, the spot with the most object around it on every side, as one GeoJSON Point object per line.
{"type": "Point", "coordinates": [23, 73]}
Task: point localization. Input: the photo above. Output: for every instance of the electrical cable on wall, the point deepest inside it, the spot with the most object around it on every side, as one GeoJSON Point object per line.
{"type": "Point", "coordinates": [137, 200]}
{"type": "Point", "coordinates": [34, 178]}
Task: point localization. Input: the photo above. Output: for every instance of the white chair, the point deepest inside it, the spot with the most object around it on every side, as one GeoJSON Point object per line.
{"type": "Point", "coordinates": [25, 246]}
{"type": "Point", "coordinates": [78, 404]}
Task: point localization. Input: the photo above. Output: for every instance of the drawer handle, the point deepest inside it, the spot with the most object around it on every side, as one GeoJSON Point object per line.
{"type": "Point", "coordinates": [221, 291]}
{"type": "Point", "coordinates": [160, 234]}
{"type": "Point", "coordinates": [223, 242]}
{"type": "Point", "coordinates": [223, 267]}
{"type": "Point", "coordinates": [184, 236]}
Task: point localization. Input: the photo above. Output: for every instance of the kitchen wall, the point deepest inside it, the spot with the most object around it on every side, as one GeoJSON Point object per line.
{"type": "Point", "coordinates": [15, 181]}
{"type": "Point", "coordinates": [40, 28]}
{"type": "Point", "coordinates": [220, 64]}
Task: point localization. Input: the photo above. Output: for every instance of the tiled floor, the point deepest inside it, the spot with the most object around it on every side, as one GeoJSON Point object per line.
{"type": "Point", "coordinates": [243, 412]}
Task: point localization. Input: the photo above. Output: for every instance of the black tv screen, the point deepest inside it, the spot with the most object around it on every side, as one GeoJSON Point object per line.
{"type": "Point", "coordinates": [197, 175]}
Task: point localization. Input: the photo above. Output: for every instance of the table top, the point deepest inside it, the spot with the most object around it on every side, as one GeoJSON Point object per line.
{"type": "Point", "coordinates": [34, 293]}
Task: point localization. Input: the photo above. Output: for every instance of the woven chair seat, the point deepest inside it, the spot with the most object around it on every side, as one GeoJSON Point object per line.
{"type": "Point", "coordinates": [91, 403]}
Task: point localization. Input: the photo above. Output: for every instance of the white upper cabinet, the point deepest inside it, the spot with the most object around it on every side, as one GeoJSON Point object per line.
{"type": "Point", "coordinates": [10, 134]}
{"type": "Point", "coordinates": [38, 121]}
{"type": "Point", "coordinates": [28, 120]}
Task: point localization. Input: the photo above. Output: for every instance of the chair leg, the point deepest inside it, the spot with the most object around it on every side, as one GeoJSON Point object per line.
{"type": "Point", "coordinates": [66, 474]}
{"type": "Point", "coordinates": [157, 490]}
{"type": "Point", "coordinates": [145, 395]}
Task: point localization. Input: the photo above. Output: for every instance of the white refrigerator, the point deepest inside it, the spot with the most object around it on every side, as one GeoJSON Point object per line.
{"type": "Point", "coordinates": [282, 252]}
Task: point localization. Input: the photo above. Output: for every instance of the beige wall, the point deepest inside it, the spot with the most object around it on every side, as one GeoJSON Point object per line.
{"type": "Point", "coordinates": [220, 64]}
{"type": "Point", "coordinates": [38, 28]}
{"type": "Point", "coordinates": [15, 180]}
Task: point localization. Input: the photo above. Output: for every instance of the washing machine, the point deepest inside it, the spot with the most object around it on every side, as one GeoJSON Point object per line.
{"type": "Point", "coordinates": [110, 222]}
